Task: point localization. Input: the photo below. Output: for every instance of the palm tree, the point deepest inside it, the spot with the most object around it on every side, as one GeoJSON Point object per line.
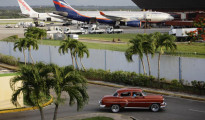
{"type": "Point", "coordinates": [164, 41]}
{"type": "Point", "coordinates": [64, 49]}
{"type": "Point", "coordinates": [136, 48]}
{"type": "Point", "coordinates": [42, 33]}
{"type": "Point", "coordinates": [31, 32]}
{"type": "Point", "coordinates": [67, 80]}
{"type": "Point", "coordinates": [21, 45]}
{"type": "Point", "coordinates": [31, 43]}
{"type": "Point", "coordinates": [35, 33]}
{"type": "Point", "coordinates": [82, 49]}
{"type": "Point", "coordinates": [69, 44]}
{"type": "Point", "coordinates": [73, 46]}
{"type": "Point", "coordinates": [148, 48]}
{"type": "Point", "coordinates": [35, 85]}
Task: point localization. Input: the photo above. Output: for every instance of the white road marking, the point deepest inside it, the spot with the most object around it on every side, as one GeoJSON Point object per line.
{"type": "Point", "coordinates": [197, 111]}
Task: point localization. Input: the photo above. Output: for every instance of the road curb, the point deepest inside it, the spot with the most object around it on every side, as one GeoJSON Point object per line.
{"type": "Point", "coordinates": [151, 91]}
{"type": "Point", "coordinates": [26, 109]}
{"type": "Point", "coordinates": [9, 67]}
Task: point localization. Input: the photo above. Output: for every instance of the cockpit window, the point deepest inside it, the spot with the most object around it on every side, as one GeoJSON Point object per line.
{"type": "Point", "coordinates": [115, 94]}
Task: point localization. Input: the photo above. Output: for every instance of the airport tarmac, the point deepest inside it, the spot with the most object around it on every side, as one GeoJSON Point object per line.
{"type": "Point", "coordinates": [6, 32]}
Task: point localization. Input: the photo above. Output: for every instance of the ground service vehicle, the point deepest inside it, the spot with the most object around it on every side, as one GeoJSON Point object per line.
{"type": "Point", "coordinates": [111, 30]}
{"type": "Point", "coordinates": [132, 98]}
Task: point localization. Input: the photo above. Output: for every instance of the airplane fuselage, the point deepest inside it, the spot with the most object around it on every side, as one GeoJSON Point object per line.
{"type": "Point", "coordinates": [45, 17]}
{"type": "Point", "coordinates": [133, 15]}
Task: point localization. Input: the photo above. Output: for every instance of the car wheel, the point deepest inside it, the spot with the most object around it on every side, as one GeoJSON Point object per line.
{"type": "Point", "coordinates": [115, 108]}
{"type": "Point", "coordinates": [155, 107]}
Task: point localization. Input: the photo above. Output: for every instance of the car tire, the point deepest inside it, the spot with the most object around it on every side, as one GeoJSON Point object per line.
{"type": "Point", "coordinates": [155, 107]}
{"type": "Point", "coordinates": [115, 108]}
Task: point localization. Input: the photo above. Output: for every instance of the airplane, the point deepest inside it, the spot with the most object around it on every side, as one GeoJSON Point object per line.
{"type": "Point", "coordinates": [115, 18]}
{"type": "Point", "coordinates": [29, 12]}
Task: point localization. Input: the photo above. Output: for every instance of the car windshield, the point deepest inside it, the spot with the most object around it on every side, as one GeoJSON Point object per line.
{"type": "Point", "coordinates": [115, 94]}
{"type": "Point", "coordinates": [144, 93]}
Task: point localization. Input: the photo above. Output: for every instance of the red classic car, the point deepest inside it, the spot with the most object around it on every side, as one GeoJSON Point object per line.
{"type": "Point", "coordinates": [130, 98]}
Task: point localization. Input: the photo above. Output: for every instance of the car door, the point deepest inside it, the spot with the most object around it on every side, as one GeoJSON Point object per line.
{"type": "Point", "coordinates": [125, 98]}
{"type": "Point", "coordinates": [137, 100]}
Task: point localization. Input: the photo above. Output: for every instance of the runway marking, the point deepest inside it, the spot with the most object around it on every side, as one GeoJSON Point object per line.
{"type": "Point", "coordinates": [197, 111]}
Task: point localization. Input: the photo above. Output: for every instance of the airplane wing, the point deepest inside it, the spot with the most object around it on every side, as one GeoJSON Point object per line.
{"type": "Point", "coordinates": [114, 18]}
{"type": "Point", "coordinates": [57, 16]}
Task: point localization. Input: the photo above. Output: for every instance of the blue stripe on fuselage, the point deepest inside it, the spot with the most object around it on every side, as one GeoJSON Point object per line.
{"type": "Point", "coordinates": [72, 14]}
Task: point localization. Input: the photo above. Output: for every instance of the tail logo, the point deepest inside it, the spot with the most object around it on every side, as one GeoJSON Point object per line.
{"type": "Point", "coordinates": [27, 8]}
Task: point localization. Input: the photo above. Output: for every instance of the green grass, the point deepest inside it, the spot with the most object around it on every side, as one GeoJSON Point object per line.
{"type": "Point", "coordinates": [113, 47]}
{"type": "Point", "coordinates": [191, 48]}
{"type": "Point", "coordinates": [8, 74]}
{"type": "Point", "coordinates": [109, 37]}
{"type": "Point", "coordinates": [98, 118]}
{"type": "Point", "coordinates": [183, 49]}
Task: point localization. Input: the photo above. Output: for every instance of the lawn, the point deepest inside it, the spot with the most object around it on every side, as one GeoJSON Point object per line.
{"type": "Point", "coordinates": [109, 37]}
{"type": "Point", "coordinates": [8, 74]}
{"type": "Point", "coordinates": [98, 118]}
{"type": "Point", "coordinates": [183, 49]}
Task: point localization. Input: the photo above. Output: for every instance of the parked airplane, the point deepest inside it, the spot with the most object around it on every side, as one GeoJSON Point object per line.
{"type": "Point", "coordinates": [115, 18]}
{"type": "Point", "coordinates": [29, 12]}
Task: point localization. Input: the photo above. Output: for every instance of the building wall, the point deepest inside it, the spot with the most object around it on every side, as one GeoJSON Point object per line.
{"type": "Point", "coordinates": [6, 93]}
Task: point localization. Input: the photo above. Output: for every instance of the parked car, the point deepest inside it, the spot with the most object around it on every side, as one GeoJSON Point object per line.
{"type": "Point", "coordinates": [132, 98]}
{"type": "Point", "coordinates": [8, 26]}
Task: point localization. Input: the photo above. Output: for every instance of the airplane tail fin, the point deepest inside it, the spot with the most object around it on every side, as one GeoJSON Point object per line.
{"type": "Point", "coordinates": [62, 5]}
{"type": "Point", "coordinates": [25, 8]}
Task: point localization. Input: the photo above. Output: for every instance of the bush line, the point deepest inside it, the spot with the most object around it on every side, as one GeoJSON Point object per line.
{"type": "Point", "coordinates": [134, 79]}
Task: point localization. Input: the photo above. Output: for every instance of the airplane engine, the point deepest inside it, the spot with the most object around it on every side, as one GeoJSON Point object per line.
{"type": "Point", "coordinates": [133, 23]}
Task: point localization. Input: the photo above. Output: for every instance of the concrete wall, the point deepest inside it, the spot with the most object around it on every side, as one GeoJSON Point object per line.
{"type": "Point", "coordinates": [188, 69]}
{"type": "Point", "coordinates": [6, 93]}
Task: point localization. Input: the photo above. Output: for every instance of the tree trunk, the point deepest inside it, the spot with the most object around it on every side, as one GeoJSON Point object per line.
{"type": "Point", "coordinates": [82, 64]}
{"type": "Point", "coordinates": [76, 62]}
{"type": "Point", "coordinates": [24, 56]}
{"type": "Point", "coordinates": [159, 66]}
{"type": "Point", "coordinates": [55, 112]}
{"type": "Point", "coordinates": [143, 66]}
{"type": "Point", "coordinates": [41, 112]}
{"type": "Point", "coordinates": [72, 59]}
{"type": "Point", "coordinates": [148, 64]}
{"type": "Point", "coordinates": [31, 56]}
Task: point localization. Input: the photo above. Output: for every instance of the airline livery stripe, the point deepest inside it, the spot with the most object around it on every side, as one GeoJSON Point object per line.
{"type": "Point", "coordinates": [27, 8]}
{"type": "Point", "coordinates": [58, 3]}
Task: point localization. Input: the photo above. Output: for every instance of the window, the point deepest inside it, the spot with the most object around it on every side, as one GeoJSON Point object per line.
{"type": "Point", "coordinates": [136, 94]}
{"type": "Point", "coordinates": [115, 94]}
{"type": "Point", "coordinates": [125, 94]}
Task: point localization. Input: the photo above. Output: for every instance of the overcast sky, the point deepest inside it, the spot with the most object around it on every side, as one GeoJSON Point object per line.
{"type": "Point", "coordinates": [71, 2]}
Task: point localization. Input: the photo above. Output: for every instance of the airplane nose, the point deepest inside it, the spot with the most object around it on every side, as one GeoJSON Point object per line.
{"type": "Point", "coordinates": [171, 17]}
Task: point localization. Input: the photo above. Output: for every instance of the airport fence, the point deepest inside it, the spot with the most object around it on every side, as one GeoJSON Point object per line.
{"type": "Point", "coordinates": [172, 67]}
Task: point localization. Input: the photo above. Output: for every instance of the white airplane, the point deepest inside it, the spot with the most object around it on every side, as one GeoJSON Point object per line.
{"type": "Point", "coordinates": [29, 12]}
{"type": "Point", "coordinates": [116, 18]}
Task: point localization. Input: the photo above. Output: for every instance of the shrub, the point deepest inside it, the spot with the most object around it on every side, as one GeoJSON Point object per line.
{"type": "Point", "coordinates": [134, 79]}
{"type": "Point", "coordinates": [12, 38]}
{"type": "Point", "coordinates": [176, 85]}
{"type": "Point", "coordinates": [8, 60]}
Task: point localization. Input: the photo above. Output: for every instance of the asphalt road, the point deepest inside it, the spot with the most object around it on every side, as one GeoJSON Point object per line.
{"type": "Point", "coordinates": [177, 109]}
{"type": "Point", "coordinates": [6, 32]}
